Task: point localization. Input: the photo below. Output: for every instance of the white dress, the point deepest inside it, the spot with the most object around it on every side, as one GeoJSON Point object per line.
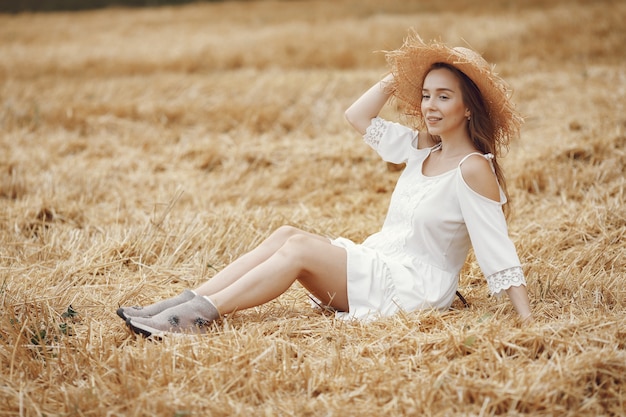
{"type": "Point", "coordinates": [413, 263]}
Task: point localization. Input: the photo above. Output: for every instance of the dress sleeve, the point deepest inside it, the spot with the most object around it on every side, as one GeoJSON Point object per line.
{"type": "Point", "coordinates": [391, 140]}
{"type": "Point", "coordinates": [488, 231]}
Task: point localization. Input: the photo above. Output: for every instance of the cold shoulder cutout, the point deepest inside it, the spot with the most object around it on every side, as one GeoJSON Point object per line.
{"type": "Point", "coordinates": [478, 173]}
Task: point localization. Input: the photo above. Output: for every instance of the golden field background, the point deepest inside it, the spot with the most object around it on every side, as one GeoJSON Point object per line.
{"type": "Point", "coordinates": [143, 150]}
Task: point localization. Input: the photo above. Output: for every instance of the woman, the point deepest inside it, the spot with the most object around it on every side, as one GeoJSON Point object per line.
{"type": "Point", "coordinates": [450, 195]}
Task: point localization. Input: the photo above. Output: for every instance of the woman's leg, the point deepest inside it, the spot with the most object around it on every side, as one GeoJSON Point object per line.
{"type": "Point", "coordinates": [315, 262]}
{"type": "Point", "coordinates": [252, 259]}
{"type": "Point", "coordinates": [223, 279]}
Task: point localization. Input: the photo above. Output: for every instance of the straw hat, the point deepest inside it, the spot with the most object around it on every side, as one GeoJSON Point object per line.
{"type": "Point", "coordinates": [410, 64]}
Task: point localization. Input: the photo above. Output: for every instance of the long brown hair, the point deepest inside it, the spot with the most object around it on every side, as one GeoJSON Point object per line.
{"type": "Point", "coordinates": [480, 127]}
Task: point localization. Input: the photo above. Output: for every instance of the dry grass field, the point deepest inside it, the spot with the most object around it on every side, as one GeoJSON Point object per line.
{"type": "Point", "coordinates": [143, 150]}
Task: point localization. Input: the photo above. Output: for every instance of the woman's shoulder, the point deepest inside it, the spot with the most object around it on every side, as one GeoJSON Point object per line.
{"type": "Point", "coordinates": [477, 172]}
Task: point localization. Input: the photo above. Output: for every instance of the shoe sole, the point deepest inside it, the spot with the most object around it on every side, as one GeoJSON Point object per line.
{"type": "Point", "coordinates": [149, 332]}
{"type": "Point", "coordinates": [120, 313]}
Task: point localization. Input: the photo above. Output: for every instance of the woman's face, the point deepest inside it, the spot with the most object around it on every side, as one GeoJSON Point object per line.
{"type": "Point", "coordinates": [444, 112]}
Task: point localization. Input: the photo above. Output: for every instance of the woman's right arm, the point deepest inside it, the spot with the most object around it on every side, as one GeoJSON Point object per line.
{"type": "Point", "coordinates": [366, 107]}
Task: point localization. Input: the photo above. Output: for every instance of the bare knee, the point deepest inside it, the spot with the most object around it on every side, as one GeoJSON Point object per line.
{"type": "Point", "coordinates": [295, 248]}
{"type": "Point", "coordinates": [291, 240]}
{"type": "Point", "coordinates": [283, 233]}
{"type": "Point", "coordinates": [286, 230]}
{"type": "Point", "coordinates": [276, 240]}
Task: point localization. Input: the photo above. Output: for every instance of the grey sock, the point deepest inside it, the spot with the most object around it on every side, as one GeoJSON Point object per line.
{"type": "Point", "coordinates": [193, 316]}
{"type": "Point", "coordinates": [156, 308]}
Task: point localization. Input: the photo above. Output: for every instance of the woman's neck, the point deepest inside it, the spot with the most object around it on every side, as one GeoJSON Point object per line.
{"type": "Point", "coordinates": [452, 147]}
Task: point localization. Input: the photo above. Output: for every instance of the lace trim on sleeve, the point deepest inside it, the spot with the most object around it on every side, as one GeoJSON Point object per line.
{"type": "Point", "coordinates": [375, 132]}
{"type": "Point", "coordinates": [505, 279]}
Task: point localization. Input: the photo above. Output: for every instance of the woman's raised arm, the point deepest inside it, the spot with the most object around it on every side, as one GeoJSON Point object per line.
{"type": "Point", "coordinates": [366, 107]}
